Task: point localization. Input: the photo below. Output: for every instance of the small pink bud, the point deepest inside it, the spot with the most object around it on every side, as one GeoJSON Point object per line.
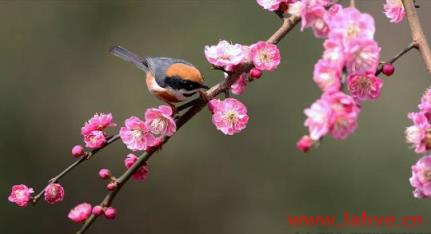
{"type": "Point", "coordinates": [97, 210]}
{"type": "Point", "coordinates": [110, 213]}
{"type": "Point", "coordinates": [111, 186]}
{"type": "Point", "coordinates": [255, 73]}
{"type": "Point", "coordinates": [104, 174]}
{"type": "Point", "coordinates": [54, 193]}
{"type": "Point", "coordinates": [388, 69]}
{"type": "Point", "coordinates": [78, 151]}
{"type": "Point", "coordinates": [305, 143]}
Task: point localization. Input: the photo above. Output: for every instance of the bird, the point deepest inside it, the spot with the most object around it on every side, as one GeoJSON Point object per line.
{"type": "Point", "coordinates": [171, 80]}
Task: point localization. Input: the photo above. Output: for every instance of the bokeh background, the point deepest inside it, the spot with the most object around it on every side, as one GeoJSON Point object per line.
{"type": "Point", "coordinates": [56, 72]}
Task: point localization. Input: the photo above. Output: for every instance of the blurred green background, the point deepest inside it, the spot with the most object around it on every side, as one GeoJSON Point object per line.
{"type": "Point", "coordinates": [56, 73]}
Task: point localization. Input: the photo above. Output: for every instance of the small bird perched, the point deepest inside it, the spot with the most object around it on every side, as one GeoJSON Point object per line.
{"type": "Point", "coordinates": [171, 80]}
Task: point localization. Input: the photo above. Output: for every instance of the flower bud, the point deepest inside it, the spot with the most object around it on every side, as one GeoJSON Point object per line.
{"type": "Point", "coordinates": [388, 69]}
{"type": "Point", "coordinates": [110, 213]}
{"type": "Point", "coordinates": [304, 144]}
{"type": "Point", "coordinates": [104, 174]}
{"type": "Point", "coordinates": [97, 210]}
{"type": "Point", "coordinates": [78, 151]}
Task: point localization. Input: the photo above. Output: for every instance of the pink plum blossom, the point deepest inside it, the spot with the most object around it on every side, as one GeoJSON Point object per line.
{"type": "Point", "coordinates": [80, 213]}
{"type": "Point", "coordinates": [274, 5]}
{"type": "Point", "coordinates": [265, 56]}
{"type": "Point", "coordinates": [394, 10]}
{"type": "Point", "coordinates": [20, 195]}
{"type": "Point", "coordinates": [141, 173]}
{"type": "Point", "coordinates": [419, 134]}
{"type": "Point", "coordinates": [229, 116]}
{"type": "Point", "coordinates": [362, 56]}
{"type": "Point", "coordinates": [364, 87]}
{"type": "Point", "coordinates": [136, 135]}
{"type": "Point", "coordinates": [344, 114]}
{"type": "Point", "coordinates": [421, 177]}
{"type": "Point", "coordinates": [93, 130]}
{"type": "Point", "coordinates": [54, 193]}
{"type": "Point", "coordinates": [425, 104]}
{"type": "Point", "coordinates": [334, 53]}
{"type": "Point", "coordinates": [98, 122]}
{"type": "Point", "coordinates": [349, 24]}
{"type": "Point", "coordinates": [239, 86]}
{"type": "Point", "coordinates": [318, 119]}
{"type": "Point", "coordinates": [312, 16]}
{"type": "Point", "coordinates": [159, 121]}
{"type": "Point", "coordinates": [226, 55]}
{"type": "Point", "coordinates": [95, 139]}
{"type": "Point", "coordinates": [335, 113]}
{"type": "Point", "coordinates": [327, 76]}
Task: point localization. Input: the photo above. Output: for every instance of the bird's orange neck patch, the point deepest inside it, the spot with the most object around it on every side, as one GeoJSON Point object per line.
{"type": "Point", "coordinates": [184, 71]}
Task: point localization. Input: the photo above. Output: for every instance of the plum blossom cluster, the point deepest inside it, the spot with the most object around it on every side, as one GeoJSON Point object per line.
{"type": "Point", "coordinates": [94, 130]}
{"type": "Point", "coordinates": [335, 113]}
{"type": "Point", "coordinates": [419, 136]}
{"type": "Point", "coordinates": [264, 56]}
{"type": "Point", "coordinates": [350, 59]}
{"type": "Point", "coordinates": [230, 115]}
{"type": "Point", "coordinates": [21, 195]}
{"type": "Point", "coordinates": [83, 211]}
{"type": "Point", "coordinates": [140, 135]}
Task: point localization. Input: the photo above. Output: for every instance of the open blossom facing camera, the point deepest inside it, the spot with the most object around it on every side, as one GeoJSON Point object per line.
{"type": "Point", "coordinates": [159, 121]}
{"type": "Point", "coordinates": [136, 135]}
{"type": "Point", "coordinates": [394, 10]}
{"type": "Point", "coordinates": [54, 193]}
{"type": "Point", "coordinates": [229, 115]}
{"type": "Point", "coordinates": [349, 24]}
{"type": "Point", "coordinates": [226, 55]}
{"type": "Point", "coordinates": [265, 56]}
{"type": "Point", "coordinates": [93, 130]}
{"type": "Point", "coordinates": [141, 173]}
{"type": "Point", "coordinates": [80, 213]}
{"type": "Point", "coordinates": [421, 177]}
{"type": "Point", "coordinates": [20, 195]}
{"type": "Point", "coordinates": [362, 56]}
{"type": "Point", "coordinates": [364, 87]}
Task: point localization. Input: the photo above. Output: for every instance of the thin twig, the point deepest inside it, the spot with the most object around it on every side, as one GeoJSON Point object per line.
{"type": "Point", "coordinates": [87, 156]}
{"type": "Point", "coordinates": [396, 57]}
{"type": "Point", "coordinates": [417, 33]}
{"type": "Point", "coordinates": [288, 24]}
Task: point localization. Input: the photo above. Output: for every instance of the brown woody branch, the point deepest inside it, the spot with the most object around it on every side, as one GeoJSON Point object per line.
{"type": "Point", "coordinates": [417, 33]}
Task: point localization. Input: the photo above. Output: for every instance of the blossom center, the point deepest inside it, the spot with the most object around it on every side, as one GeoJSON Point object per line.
{"type": "Point", "coordinates": [352, 30]}
{"type": "Point", "coordinates": [158, 126]}
{"type": "Point", "coordinates": [427, 139]}
{"type": "Point", "coordinates": [137, 133]}
{"type": "Point", "coordinates": [427, 175]}
{"type": "Point", "coordinates": [231, 116]}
